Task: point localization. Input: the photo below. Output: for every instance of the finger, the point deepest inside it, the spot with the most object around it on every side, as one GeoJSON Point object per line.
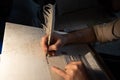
{"type": "Point", "coordinates": [52, 53]}
{"type": "Point", "coordinates": [55, 46]}
{"type": "Point", "coordinates": [69, 71]}
{"type": "Point", "coordinates": [76, 74]}
{"type": "Point", "coordinates": [74, 65]}
{"type": "Point", "coordinates": [60, 72]}
{"type": "Point", "coordinates": [71, 74]}
{"type": "Point", "coordinates": [43, 43]}
{"type": "Point", "coordinates": [76, 62]}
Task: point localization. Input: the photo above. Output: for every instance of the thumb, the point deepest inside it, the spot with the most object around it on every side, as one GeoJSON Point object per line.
{"type": "Point", "coordinates": [55, 46]}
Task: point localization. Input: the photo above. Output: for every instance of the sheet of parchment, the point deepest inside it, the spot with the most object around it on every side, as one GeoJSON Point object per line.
{"type": "Point", "coordinates": [22, 57]}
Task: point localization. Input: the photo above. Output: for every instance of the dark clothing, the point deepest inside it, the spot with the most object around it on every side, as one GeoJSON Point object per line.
{"type": "Point", "coordinates": [5, 6]}
{"type": "Point", "coordinates": [44, 2]}
{"type": "Point", "coordinates": [112, 63]}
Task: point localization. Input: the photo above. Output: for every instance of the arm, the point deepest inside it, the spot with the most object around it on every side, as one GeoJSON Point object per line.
{"type": "Point", "coordinates": [108, 31]}
{"type": "Point", "coordinates": [86, 35]}
{"type": "Point", "coordinates": [102, 33]}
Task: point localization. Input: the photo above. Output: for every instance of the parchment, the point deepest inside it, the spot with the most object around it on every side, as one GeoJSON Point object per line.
{"type": "Point", "coordinates": [22, 57]}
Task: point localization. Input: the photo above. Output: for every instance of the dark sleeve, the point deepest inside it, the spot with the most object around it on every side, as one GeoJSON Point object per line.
{"type": "Point", "coordinates": [44, 2]}
{"type": "Point", "coordinates": [5, 7]}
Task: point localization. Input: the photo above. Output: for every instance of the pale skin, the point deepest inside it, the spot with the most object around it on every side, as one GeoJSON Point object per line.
{"type": "Point", "coordinates": [73, 70]}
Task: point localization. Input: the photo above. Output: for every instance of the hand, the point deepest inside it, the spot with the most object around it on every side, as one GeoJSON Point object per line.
{"type": "Point", "coordinates": [73, 71]}
{"type": "Point", "coordinates": [57, 41]}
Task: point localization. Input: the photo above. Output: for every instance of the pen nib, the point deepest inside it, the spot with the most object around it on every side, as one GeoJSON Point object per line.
{"type": "Point", "coordinates": [47, 58]}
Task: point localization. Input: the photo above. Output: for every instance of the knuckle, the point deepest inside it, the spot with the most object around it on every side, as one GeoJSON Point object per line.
{"type": "Point", "coordinates": [55, 47]}
{"type": "Point", "coordinates": [71, 72]}
{"type": "Point", "coordinates": [76, 67]}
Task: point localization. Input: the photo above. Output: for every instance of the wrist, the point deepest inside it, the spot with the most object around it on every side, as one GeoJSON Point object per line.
{"type": "Point", "coordinates": [68, 38]}
{"type": "Point", "coordinates": [65, 39]}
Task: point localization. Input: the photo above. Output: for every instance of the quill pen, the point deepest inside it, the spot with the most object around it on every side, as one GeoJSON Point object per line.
{"type": "Point", "coordinates": [50, 16]}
